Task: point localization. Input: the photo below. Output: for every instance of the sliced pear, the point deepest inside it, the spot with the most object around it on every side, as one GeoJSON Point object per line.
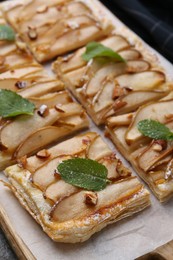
{"type": "Point", "coordinates": [42, 88]}
{"type": "Point", "coordinates": [134, 99]}
{"type": "Point", "coordinates": [39, 139]}
{"type": "Point", "coordinates": [75, 145]}
{"type": "Point", "coordinates": [74, 207]}
{"type": "Point", "coordinates": [122, 120]}
{"type": "Point", "coordinates": [104, 97]}
{"type": "Point", "coordinates": [146, 80]}
{"type": "Point", "coordinates": [59, 190]}
{"type": "Point", "coordinates": [150, 156]}
{"type": "Point", "coordinates": [14, 132]}
{"type": "Point", "coordinates": [51, 99]}
{"type": "Point", "coordinates": [98, 149]}
{"type": "Point", "coordinates": [156, 111]}
{"type": "Point", "coordinates": [20, 72]}
{"type": "Point", "coordinates": [46, 175]}
{"type": "Point", "coordinates": [130, 54]}
{"type": "Point", "coordinates": [112, 71]}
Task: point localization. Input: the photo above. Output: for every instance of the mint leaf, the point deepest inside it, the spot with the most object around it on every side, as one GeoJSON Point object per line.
{"type": "Point", "coordinates": [6, 33]}
{"type": "Point", "coordinates": [155, 130]}
{"type": "Point", "coordinates": [12, 104]}
{"type": "Point", "coordinates": [84, 173]}
{"type": "Point", "coordinates": [95, 49]}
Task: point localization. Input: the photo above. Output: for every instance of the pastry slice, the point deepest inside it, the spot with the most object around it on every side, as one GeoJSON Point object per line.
{"type": "Point", "coordinates": [152, 159]}
{"type": "Point", "coordinates": [51, 28]}
{"type": "Point", "coordinates": [55, 116]}
{"type": "Point", "coordinates": [108, 88]}
{"type": "Point", "coordinates": [66, 212]}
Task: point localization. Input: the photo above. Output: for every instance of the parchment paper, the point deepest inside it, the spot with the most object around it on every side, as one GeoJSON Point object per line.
{"type": "Point", "coordinates": [124, 240]}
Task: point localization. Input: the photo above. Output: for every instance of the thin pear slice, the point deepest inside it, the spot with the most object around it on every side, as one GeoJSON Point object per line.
{"type": "Point", "coordinates": [122, 120]}
{"type": "Point", "coordinates": [146, 80]}
{"type": "Point", "coordinates": [156, 111]}
{"type": "Point", "coordinates": [51, 99]}
{"type": "Point", "coordinates": [112, 71]}
{"type": "Point", "coordinates": [14, 132]}
{"type": "Point", "coordinates": [42, 88]}
{"type": "Point", "coordinates": [98, 149]}
{"type": "Point", "coordinates": [150, 156]}
{"type": "Point", "coordinates": [39, 139]}
{"type": "Point", "coordinates": [130, 54]}
{"type": "Point", "coordinates": [20, 72]}
{"type": "Point", "coordinates": [134, 99]}
{"type": "Point", "coordinates": [45, 175]}
{"type": "Point", "coordinates": [72, 146]}
{"type": "Point", "coordinates": [104, 97]}
{"type": "Point", "coordinates": [65, 209]}
{"type": "Point", "coordinates": [59, 190]}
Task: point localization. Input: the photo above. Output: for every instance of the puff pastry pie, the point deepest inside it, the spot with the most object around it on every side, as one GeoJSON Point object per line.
{"type": "Point", "coordinates": [51, 28]}
{"type": "Point", "coordinates": [65, 212]}
{"type": "Point", "coordinates": [152, 159]}
{"type": "Point", "coordinates": [111, 88]}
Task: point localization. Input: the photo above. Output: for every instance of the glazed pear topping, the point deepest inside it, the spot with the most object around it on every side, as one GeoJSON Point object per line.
{"type": "Point", "coordinates": [155, 130]}
{"type": "Point", "coordinates": [95, 49]}
{"type": "Point", "coordinates": [6, 33]}
{"type": "Point", "coordinates": [84, 173]}
{"type": "Point", "coordinates": [12, 104]}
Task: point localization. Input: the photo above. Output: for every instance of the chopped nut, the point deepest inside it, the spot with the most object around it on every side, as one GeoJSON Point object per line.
{"type": "Point", "coordinates": [119, 104]}
{"type": "Point", "coordinates": [159, 145]}
{"type": "Point", "coordinates": [58, 108]}
{"type": "Point", "coordinates": [32, 33]}
{"type": "Point", "coordinates": [169, 170]}
{"type": "Point", "coordinates": [42, 9]}
{"type": "Point", "coordinates": [73, 25]}
{"type": "Point", "coordinates": [86, 141]}
{"type": "Point", "coordinates": [22, 161]}
{"type": "Point", "coordinates": [21, 84]}
{"type": "Point", "coordinates": [117, 92]}
{"type": "Point", "coordinates": [43, 154]}
{"type": "Point", "coordinates": [91, 198]}
{"type": "Point", "coordinates": [57, 174]}
{"type": "Point", "coordinates": [43, 110]}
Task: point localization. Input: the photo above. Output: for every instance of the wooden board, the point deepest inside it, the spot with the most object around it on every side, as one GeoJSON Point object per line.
{"type": "Point", "coordinates": [16, 242]}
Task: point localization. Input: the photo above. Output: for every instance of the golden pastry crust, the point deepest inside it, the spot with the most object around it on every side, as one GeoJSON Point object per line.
{"type": "Point", "coordinates": [152, 159]}
{"type": "Point", "coordinates": [64, 214]}
{"type": "Point", "coordinates": [55, 27]}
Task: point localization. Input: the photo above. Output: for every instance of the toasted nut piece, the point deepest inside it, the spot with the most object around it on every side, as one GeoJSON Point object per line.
{"type": "Point", "coordinates": [159, 145]}
{"type": "Point", "coordinates": [42, 9]}
{"type": "Point", "coordinates": [169, 170]}
{"type": "Point", "coordinates": [21, 84]}
{"type": "Point", "coordinates": [121, 170]}
{"type": "Point", "coordinates": [91, 198]}
{"type": "Point", "coordinates": [43, 154]}
{"type": "Point", "coordinates": [43, 110]}
{"type": "Point", "coordinates": [118, 104]}
{"type": "Point", "coordinates": [22, 162]}
{"type": "Point", "coordinates": [32, 33]}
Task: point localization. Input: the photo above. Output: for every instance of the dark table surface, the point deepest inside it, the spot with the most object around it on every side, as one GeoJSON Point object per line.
{"type": "Point", "coordinates": [6, 253]}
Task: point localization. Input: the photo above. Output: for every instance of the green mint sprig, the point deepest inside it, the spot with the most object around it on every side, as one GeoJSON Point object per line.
{"type": "Point", "coordinates": [6, 33]}
{"type": "Point", "coordinates": [95, 49]}
{"type": "Point", "coordinates": [155, 130]}
{"type": "Point", "coordinates": [12, 104]}
{"type": "Point", "coordinates": [84, 173]}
